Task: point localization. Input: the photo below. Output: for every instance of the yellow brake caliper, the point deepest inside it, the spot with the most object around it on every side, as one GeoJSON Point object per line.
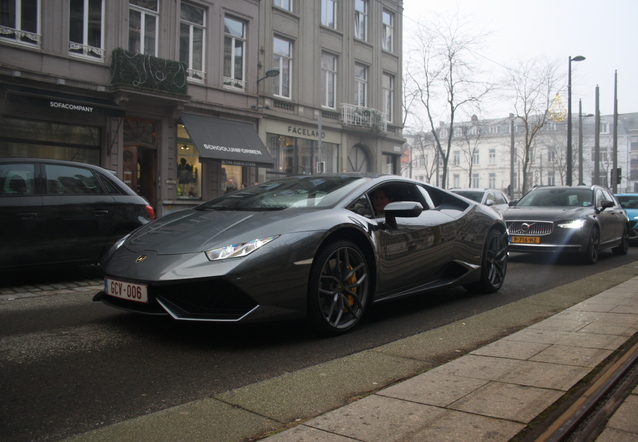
{"type": "Point", "coordinates": [349, 281]}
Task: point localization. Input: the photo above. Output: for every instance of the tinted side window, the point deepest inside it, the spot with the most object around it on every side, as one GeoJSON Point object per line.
{"type": "Point", "coordinates": [70, 180]}
{"type": "Point", "coordinates": [110, 187]}
{"type": "Point", "coordinates": [17, 179]}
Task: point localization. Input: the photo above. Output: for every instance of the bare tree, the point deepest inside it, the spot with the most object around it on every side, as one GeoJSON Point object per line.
{"type": "Point", "coordinates": [422, 154]}
{"type": "Point", "coordinates": [468, 141]}
{"type": "Point", "coordinates": [531, 88]}
{"type": "Point", "coordinates": [442, 72]}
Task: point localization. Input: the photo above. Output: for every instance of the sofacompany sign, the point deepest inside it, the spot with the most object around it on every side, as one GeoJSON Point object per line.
{"type": "Point", "coordinates": [70, 106]}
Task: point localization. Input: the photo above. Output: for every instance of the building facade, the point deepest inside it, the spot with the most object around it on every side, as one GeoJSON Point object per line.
{"type": "Point", "coordinates": [173, 96]}
{"type": "Point", "coordinates": [484, 154]}
{"type": "Point", "coordinates": [336, 104]}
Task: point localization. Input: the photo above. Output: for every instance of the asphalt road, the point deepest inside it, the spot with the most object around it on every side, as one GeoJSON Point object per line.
{"type": "Point", "coordinates": [69, 365]}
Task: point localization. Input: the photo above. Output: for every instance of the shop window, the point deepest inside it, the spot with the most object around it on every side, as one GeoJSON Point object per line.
{"type": "Point", "coordinates": [189, 169]}
{"type": "Point", "coordinates": [47, 139]}
{"type": "Point", "coordinates": [232, 178]}
{"type": "Point", "coordinates": [300, 156]}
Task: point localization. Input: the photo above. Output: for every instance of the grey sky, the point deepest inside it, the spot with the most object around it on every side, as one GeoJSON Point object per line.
{"type": "Point", "coordinates": [604, 32]}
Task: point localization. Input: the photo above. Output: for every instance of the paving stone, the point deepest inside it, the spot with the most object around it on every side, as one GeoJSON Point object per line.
{"type": "Point", "coordinates": [561, 354]}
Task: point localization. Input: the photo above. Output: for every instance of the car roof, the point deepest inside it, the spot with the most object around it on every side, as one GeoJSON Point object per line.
{"type": "Point", "coordinates": [52, 161]}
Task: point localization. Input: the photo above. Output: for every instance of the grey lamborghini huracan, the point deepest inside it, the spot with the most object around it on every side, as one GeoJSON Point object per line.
{"type": "Point", "coordinates": [323, 247]}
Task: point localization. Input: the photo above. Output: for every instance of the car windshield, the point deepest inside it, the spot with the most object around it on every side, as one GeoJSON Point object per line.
{"type": "Point", "coordinates": [311, 191]}
{"type": "Point", "coordinates": [558, 198]}
{"type": "Point", "coordinates": [474, 195]}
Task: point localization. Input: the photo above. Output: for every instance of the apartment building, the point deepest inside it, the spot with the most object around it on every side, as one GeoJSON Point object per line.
{"type": "Point", "coordinates": [336, 104]}
{"type": "Point", "coordinates": [187, 100]}
{"type": "Point", "coordinates": [484, 154]}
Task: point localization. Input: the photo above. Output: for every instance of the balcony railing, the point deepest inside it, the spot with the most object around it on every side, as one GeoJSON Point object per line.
{"type": "Point", "coordinates": [373, 119]}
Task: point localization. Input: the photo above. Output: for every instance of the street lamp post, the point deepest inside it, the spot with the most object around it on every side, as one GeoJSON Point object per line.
{"type": "Point", "coordinates": [569, 117]}
{"type": "Point", "coordinates": [269, 74]}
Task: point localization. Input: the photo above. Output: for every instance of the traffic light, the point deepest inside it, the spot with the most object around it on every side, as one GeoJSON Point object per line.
{"type": "Point", "coordinates": [618, 175]}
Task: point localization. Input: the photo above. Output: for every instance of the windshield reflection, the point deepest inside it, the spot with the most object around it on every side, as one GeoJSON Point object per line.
{"type": "Point", "coordinates": [304, 192]}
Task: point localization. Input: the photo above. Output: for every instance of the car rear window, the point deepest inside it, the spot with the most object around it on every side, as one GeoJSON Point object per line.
{"type": "Point", "coordinates": [17, 179]}
{"type": "Point", "coordinates": [69, 180]}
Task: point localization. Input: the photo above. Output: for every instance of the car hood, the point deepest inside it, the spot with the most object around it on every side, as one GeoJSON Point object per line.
{"type": "Point", "coordinates": [519, 213]}
{"type": "Point", "coordinates": [192, 231]}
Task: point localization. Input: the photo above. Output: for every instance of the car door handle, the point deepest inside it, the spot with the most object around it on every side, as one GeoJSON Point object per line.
{"type": "Point", "coordinates": [100, 212]}
{"type": "Point", "coordinates": [27, 215]}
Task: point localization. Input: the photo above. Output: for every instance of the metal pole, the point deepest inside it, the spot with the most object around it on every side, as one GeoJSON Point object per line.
{"type": "Point", "coordinates": [580, 142]}
{"type": "Point", "coordinates": [512, 156]}
{"type": "Point", "coordinates": [569, 123]}
{"type": "Point", "coordinates": [615, 159]}
{"type": "Point", "coordinates": [596, 179]}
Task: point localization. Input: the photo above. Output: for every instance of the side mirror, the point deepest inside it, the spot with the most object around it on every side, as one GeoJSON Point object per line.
{"type": "Point", "coordinates": [401, 209]}
{"type": "Point", "coordinates": [512, 203]}
{"type": "Point", "coordinates": [606, 204]}
{"type": "Point", "coordinates": [489, 202]}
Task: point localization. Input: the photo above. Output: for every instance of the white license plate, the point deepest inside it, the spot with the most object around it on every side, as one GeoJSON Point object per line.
{"type": "Point", "coordinates": [126, 290]}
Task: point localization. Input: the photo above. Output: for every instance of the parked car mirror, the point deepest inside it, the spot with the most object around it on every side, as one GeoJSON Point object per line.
{"type": "Point", "coordinates": [489, 202]}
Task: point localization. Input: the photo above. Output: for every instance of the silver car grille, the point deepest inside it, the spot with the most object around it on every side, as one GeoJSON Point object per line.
{"type": "Point", "coordinates": [530, 227]}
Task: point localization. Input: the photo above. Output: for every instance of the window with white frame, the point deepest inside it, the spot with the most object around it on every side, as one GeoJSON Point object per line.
{"type": "Point", "coordinates": [282, 60]}
{"type": "Point", "coordinates": [284, 4]}
{"type": "Point", "coordinates": [388, 95]}
{"type": "Point", "coordinates": [20, 21]}
{"type": "Point", "coordinates": [476, 157]}
{"type": "Point", "coordinates": [492, 179]}
{"type": "Point", "coordinates": [328, 80]}
{"type": "Point", "coordinates": [143, 16]}
{"type": "Point", "coordinates": [551, 179]}
{"type": "Point", "coordinates": [329, 13]}
{"type": "Point", "coordinates": [492, 156]}
{"type": "Point", "coordinates": [361, 19]}
{"type": "Point", "coordinates": [456, 157]}
{"type": "Point", "coordinates": [475, 180]}
{"type": "Point", "coordinates": [360, 85]}
{"type": "Point", "coordinates": [86, 28]}
{"type": "Point", "coordinates": [388, 31]}
{"type": "Point", "coordinates": [421, 162]}
{"type": "Point", "coordinates": [456, 180]}
{"type": "Point", "coordinates": [234, 53]}
{"type": "Point", "coordinates": [604, 127]}
{"type": "Point", "coordinates": [192, 37]}
{"type": "Point", "coordinates": [551, 156]}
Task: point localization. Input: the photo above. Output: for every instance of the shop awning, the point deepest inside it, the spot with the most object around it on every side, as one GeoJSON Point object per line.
{"type": "Point", "coordinates": [58, 101]}
{"type": "Point", "coordinates": [232, 142]}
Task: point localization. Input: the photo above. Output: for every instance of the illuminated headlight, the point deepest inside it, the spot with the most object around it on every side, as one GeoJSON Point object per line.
{"type": "Point", "coordinates": [574, 224]}
{"type": "Point", "coordinates": [238, 250]}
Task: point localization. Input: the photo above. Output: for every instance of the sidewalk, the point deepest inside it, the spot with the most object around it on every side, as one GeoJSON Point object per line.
{"type": "Point", "coordinates": [502, 385]}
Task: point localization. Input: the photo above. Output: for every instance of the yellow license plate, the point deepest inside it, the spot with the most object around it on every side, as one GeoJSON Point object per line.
{"type": "Point", "coordinates": [525, 239]}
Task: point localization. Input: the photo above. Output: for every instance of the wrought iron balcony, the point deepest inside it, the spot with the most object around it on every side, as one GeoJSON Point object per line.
{"type": "Point", "coordinates": [366, 117]}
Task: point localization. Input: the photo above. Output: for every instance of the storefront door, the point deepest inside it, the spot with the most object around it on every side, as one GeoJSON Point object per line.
{"type": "Point", "coordinates": [140, 158]}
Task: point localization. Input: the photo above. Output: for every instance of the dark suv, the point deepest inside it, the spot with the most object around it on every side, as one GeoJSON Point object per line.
{"type": "Point", "coordinates": [63, 212]}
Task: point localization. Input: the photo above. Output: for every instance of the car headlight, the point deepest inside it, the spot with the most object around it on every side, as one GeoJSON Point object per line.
{"type": "Point", "coordinates": [238, 250]}
{"type": "Point", "coordinates": [573, 224]}
{"type": "Point", "coordinates": [118, 244]}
